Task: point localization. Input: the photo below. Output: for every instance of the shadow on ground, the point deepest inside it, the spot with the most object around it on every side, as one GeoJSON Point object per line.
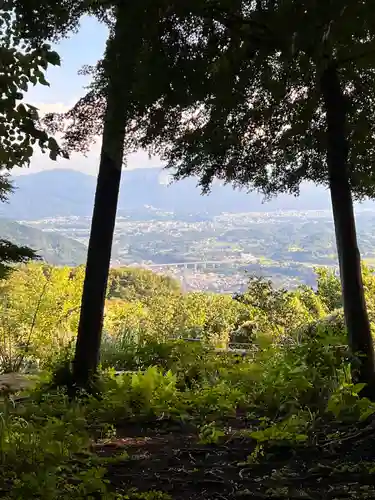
{"type": "Point", "coordinates": [339, 464]}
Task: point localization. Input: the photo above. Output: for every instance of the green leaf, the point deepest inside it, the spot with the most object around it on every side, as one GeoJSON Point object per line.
{"type": "Point", "coordinates": [29, 151]}
{"type": "Point", "coordinates": [23, 85]}
{"type": "Point", "coordinates": [52, 144]}
{"type": "Point", "coordinates": [53, 58]}
{"type": "Point", "coordinates": [42, 80]}
{"type": "Point", "coordinates": [22, 110]}
{"type": "Point", "coordinates": [357, 388]}
{"type": "Point", "coordinates": [53, 154]}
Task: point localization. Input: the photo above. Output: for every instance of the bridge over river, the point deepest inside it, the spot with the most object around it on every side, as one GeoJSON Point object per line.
{"type": "Point", "coordinates": [202, 264]}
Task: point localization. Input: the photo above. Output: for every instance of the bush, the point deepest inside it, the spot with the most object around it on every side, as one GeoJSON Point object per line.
{"type": "Point", "coordinates": [296, 371]}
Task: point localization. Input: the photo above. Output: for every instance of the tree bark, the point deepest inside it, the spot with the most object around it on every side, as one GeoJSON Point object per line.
{"type": "Point", "coordinates": [87, 351]}
{"type": "Point", "coordinates": [356, 318]}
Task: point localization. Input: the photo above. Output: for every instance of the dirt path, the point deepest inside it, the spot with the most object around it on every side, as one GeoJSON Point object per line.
{"type": "Point", "coordinates": [172, 461]}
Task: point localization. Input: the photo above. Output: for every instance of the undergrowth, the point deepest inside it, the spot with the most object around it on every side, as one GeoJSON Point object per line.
{"type": "Point", "coordinates": [46, 441]}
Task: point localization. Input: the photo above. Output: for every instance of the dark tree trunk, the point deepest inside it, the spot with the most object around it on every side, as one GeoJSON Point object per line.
{"type": "Point", "coordinates": [356, 318]}
{"type": "Point", "coordinates": [105, 206]}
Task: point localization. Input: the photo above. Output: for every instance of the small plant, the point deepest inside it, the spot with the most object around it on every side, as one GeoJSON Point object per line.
{"type": "Point", "coordinates": [210, 434]}
{"type": "Point", "coordinates": [256, 455]}
{"type": "Point", "coordinates": [345, 403]}
{"type": "Point", "coordinates": [289, 432]}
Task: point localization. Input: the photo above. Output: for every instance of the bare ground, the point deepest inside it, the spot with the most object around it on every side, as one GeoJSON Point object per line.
{"type": "Point", "coordinates": [169, 459]}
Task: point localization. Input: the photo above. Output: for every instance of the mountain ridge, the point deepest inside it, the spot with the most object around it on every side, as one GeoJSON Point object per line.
{"type": "Point", "coordinates": [66, 192]}
{"type": "Point", "coordinates": [54, 248]}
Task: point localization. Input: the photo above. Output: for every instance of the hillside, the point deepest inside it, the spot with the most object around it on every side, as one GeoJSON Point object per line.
{"type": "Point", "coordinates": [50, 194]}
{"type": "Point", "coordinates": [64, 192]}
{"type": "Point", "coordinates": [52, 247]}
{"type": "Point", "coordinates": [285, 246]}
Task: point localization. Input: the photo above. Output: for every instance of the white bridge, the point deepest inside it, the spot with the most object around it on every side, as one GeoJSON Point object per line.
{"type": "Point", "coordinates": [201, 264]}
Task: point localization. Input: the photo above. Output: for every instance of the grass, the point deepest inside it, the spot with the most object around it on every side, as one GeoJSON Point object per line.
{"type": "Point", "coordinates": [188, 423]}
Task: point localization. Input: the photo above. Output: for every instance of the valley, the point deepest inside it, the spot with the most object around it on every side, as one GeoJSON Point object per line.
{"type": "Point", "coordinates": [209, 243]}
{"type": "Point", "coordinates": [217, 253]}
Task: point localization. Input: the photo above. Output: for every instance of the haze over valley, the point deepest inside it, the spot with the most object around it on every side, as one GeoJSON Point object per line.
{"type": "Point", "coordinates": [208, 242]}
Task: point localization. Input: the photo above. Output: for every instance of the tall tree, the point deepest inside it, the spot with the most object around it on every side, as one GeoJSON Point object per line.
{"type": "Point", "coordinates": [118, 67]}
{"type": "Point", "coordinates": [50, 21]}
{"type": "Point", "coordinates": [109, 109]}
{"type": "Point", "coordinates": [21, 64]}
{"type": "Point", "coordinates": [263, 95]}
{"type": "Point", "coordinates": [128, 23]}
{"type": "Point", "coordinates": [296, 106]}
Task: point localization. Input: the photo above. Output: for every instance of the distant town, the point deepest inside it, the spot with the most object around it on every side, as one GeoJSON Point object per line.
{"type": "Point", "coordinates": [219, 253]}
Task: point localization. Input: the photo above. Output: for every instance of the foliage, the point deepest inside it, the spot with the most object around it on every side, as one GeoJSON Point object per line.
{"type": "Point", "coordinates": [278, 379]}
{"type": "Point", "coordinates": [209, 317]}
{"type": "Point", "coordinates": [40, 305]}
{"type": "Point", "coordinates": [39, 313]}
{"type": "Point", "coordinates": [46, 439]}
{"type": "Point", "coordinates": [346, 404]}
{"type": "Point", "coordinates": [123, 321]}
{"type": "Point", "coordinates": [329, 289]}
{"type": "Point", "coordinates": [279, 311]}
{"type": "Point", "coordinates": [132, 284]}
{"type": "Point", "coordinates": [283, 388]}
{"type": "Point", "coordinates": [210, 434]}
{"type": "Point", "coordinates": [329, 293]}
{"type": "Point", "coordinates": [11, 253]}
{"type": "Point", "coordinates": [21, 64]}
{"type": "Point", "coordinates": [250, 111]}
{"type": "Point", "coordinates": [292, 430]}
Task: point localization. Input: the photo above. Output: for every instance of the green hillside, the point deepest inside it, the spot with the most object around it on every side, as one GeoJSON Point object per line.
{"type": "Point", "coordinates": [52, 247]}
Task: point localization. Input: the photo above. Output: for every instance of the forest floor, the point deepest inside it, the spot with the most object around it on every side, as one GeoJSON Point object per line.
{"type": "Point", "coordinates": [170, 459]}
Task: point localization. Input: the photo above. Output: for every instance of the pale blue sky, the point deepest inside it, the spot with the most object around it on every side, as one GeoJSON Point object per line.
{"type": "Point", "coordinates": [66, 86]}
{"type": "Point", "coordinates": [85, 47]}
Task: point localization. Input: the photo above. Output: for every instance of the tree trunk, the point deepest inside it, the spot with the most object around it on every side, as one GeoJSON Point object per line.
{"type": "Point", "coordinates": [105, 205]}
{"type": "Point", "coordinates": [356, 318]}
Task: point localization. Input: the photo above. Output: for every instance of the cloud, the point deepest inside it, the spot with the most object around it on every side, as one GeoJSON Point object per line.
{"type": "Point", "coordinates": [88, 164]}
{"type": "Point", "coordinates": [56, 107]}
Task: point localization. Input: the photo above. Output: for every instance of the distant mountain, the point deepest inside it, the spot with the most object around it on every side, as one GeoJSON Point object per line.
{"type": "Point", "coordinates": [52, 247]}
{"type": "Point", "coordinates": [52, 193]}
{"type": "Point", "coordinates": [63, 192]}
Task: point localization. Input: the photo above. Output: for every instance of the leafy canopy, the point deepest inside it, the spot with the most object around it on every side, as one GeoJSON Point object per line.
{"type": "Point", "coordinates": [21, 64]}
{"type": "Point", "coordinates": [230, 90]}
{"type": "Point", "coordinates": [253, 114]}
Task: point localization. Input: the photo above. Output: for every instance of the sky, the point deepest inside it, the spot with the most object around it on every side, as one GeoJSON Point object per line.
{"type": "Point", "coordinates": [66, 87]}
